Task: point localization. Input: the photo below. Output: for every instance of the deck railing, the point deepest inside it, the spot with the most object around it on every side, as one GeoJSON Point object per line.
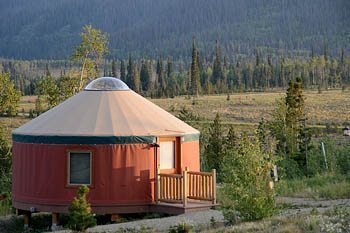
{"type": "Point", "coordinates": [178, 188]}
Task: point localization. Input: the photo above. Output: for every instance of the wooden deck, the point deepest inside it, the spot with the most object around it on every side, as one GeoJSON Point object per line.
{"type": "Point", "coordinates": [186, 192]}
{"type": "Point", "coordinates": [178, 208]}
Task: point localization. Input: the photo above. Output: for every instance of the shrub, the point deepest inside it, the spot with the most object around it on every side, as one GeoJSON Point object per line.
{"type": "Point", "coordinates": [246, 175]}
{"type": "Point", "coordinates": [181, 228]}
{"type": "Point", "coordinates": [80, 216]}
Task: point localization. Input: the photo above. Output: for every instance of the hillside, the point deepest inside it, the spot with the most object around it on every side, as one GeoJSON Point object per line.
{"type": "Point", "coordinates": [50, 29]}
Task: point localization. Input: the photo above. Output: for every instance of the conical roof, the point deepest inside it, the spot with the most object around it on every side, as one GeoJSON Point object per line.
{"type": "Point", "coordinates": [106, 109]}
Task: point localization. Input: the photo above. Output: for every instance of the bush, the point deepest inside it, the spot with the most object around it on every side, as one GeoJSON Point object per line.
{"type": "Point", "coordinates": [246, 175]}
{"type": "Point", "coordinates": [5, 163]}
{"type": "Point", "coordinates": [80, 216]}
{"type": "Point", "coordinates": [181, 228]}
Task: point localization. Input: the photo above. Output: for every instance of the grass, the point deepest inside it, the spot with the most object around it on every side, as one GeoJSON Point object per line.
{"type": "Point", "coordinates": [321, 186]}
{"type": "Point", "coordinates": [244, 110]}
{"type": "Point", "coordinates": [333, 220]}
{"type": "Point", "coordinates": [5, 207]}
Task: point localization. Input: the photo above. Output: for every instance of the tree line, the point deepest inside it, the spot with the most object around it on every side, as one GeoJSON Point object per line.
{"type": "Point", "coordinates": [164, 26]}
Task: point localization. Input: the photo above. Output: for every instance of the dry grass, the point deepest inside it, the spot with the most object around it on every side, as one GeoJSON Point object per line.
{"type": "Point", "coordinates": [244, 110]}
{"type": "Point", "coordinates": [327, 107]}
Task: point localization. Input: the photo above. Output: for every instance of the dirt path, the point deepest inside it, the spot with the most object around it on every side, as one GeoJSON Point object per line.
{"type": "Point", "coordinates": [309, 202]}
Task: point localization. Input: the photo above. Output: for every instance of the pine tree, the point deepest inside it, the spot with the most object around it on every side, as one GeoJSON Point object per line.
{"type": "Point", "coordinates": [217, 67]}
{"type": "Point", "coordinates": [136, 83]}
{"type": "Point", "coordinates": [145, 77]}
{"type": "Point", "coordinates": [130, 75]}
{"type": "Point", "coordinates": [161, 87]}
{"type": "Point", "coordinates": [214, 151]}
{"type": "Point", "coordinates": [47, 72]}
{"type": "Point", "coordinates": [295, 115]}
{"type": "Point", "coordinates": [114, 69]}
{"type": "Point", "coordinates": [122, 71]}
{"type": "Point", "coordinates": [195, 72]}
{"type": "Point", "coordinates": [80, 216]}
{"type": "Point", "coordinates": [231, 139]}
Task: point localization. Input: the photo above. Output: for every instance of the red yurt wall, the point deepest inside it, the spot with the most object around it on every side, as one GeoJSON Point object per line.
{"type": "Point", "coordinates": [122, 174]}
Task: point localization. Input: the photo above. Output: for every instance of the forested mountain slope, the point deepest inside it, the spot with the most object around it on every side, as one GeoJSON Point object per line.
{"type": "Point", "coordinates": [50, 29]}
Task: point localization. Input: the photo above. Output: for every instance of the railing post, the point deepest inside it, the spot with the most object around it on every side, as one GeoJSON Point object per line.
{"type": "Point", "coordinates": [214, 185]}
{"type": "Point", "coordinates": [184, 187]}
{"type": "Point", "coordinates": [158, 184]}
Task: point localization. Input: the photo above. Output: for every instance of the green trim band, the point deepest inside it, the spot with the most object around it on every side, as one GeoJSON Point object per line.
{"type": "Point", "coordinates": [92, 139]}
{"type": "Point", "coordinates": [191, 137]}
{"type": "Point", "coordinates": [83, 139]}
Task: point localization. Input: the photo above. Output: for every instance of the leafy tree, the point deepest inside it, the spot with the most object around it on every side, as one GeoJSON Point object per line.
{"type": "Point", "coordinates": [245, 175]}
{"type": "Point", "coordinates": [80, 216]}
{"type": "Point", "coordinates": [39, 108]}
{"type": "Point", "coordinates": [66, 85]}
{"type": "Point", "coordinates": [9, 97]}
{"type": "Point", "coordinates": [90, 53]}
{"type": "Point", "coordinates": [48, 87]}
{"type": "Point", "coordinates": [5, 163]}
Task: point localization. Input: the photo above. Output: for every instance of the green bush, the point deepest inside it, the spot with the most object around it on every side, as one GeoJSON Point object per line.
{"type": "Point", "coordinates": [5, 163]}
{"type": "Point", "coordinates": [246, 173]}
{"type": "Point", "coordinates": [181, 228]}
{"type": "Point", "coordinates": [80, 216]}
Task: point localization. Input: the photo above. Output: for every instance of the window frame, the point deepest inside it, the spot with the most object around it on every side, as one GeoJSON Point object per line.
{"type": "Point", "coordinates": [68, 167]}
{"type": "Point", "coordinates": [177, 154]}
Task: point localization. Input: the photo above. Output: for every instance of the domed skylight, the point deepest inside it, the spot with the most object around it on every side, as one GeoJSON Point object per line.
{"type": "Point", "coordinates": [107, 84]}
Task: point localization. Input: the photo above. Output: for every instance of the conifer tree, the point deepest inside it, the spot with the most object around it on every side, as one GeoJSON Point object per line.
{"type": "Point", "coordinates": [114, 69]}
{"type": "Point", "coordinates": [214, 151]}
{"type": "Point", "coordinates": [195, 72]}
{"type": "Point", "coordinates": [136, 83]}
{"type": "Point", "coordinates": [122, 71]}
{"type": "Point", "coordinates": [217, 67]}
{"type": "Point", "coordinates": [161, 87]}
{"type": "Point", "coordinates": [145, 77]}
{"type": "Point", "coordinates": [80, 216]}
{"type": "Point", "coordinates": [294, 120]}
{"type": "Point", "coordinates": [130, 75]}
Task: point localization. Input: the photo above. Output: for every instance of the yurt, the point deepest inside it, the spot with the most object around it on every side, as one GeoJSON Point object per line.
{"type": "Point", "coordinates": [107, 137]}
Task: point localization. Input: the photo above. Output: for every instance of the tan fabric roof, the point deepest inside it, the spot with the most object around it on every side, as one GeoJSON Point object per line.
{"type": "Point", "coordinates": [106, 113]}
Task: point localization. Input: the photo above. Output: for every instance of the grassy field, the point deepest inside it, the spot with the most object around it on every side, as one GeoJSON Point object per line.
{"type": "Point", "coordinates": [327, 107]}
{"type": "Point", "coordinates": [244, 110]}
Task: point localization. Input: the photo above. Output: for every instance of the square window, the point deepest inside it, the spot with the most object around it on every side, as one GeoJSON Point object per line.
{"type": "Point", "coordinates": [79, 168]}
{"type": "Point", "coordinates": [167, 155]}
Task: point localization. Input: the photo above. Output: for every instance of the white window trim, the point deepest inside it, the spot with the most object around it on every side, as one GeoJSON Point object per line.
{"type": "Point", "coordinates": [68, 172]}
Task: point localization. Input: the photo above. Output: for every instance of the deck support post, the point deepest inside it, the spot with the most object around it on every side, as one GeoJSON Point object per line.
{"type": "Point", "coordinates": [158, 184]}
{"type": "Point", "coordinates": [184, 187]}
{"type": "Point", "coordinates": [26, 219]}
{"type": "Point", "coordinates": [214, 185]}
{"type": "Point", "coordinates": [55, 217]}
